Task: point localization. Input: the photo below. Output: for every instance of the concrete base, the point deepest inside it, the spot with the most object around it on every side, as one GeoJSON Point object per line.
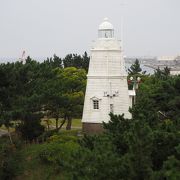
{"type": "Point", "coordinates": [92, 128]}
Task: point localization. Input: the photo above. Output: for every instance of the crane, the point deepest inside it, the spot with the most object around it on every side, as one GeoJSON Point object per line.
{"type": "Point", "coordinates": [23, 57]}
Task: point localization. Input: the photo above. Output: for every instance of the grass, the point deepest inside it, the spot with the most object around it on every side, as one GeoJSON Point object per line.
{"type": "Point", "coordinates": [4, 128]}
{"type": "Point", "coordinates": [76, 123]}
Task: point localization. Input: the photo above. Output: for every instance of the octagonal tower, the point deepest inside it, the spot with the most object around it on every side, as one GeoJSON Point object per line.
{"type": "Point", "coordinates": [107, 89]}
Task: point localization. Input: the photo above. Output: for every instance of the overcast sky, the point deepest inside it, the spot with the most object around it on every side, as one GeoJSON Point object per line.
{"type": "Point", "coordinates": [45, 27]}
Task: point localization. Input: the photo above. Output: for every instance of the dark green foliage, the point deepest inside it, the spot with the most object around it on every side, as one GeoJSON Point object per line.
{"type": "Point", "coordinates": [9, 160]}
{"type": "Point", "coordinates": [144, 147]}
{"type": "Point", "coordinates": [97, 163]}
{"type": "Point", "coordinates": [171, 167]}
{"type": "Point", "coordinates": [30, 91]}
{"type": "Point", "coordinates": [30, 129]}
{"type": "Point", "coordinates": [117, 129]}
{"type": "Point", "coordinates": [88, 142]}
{"type": "Point", "coordinates": [58, 153]}
{"type": "Point", "coordinates": [74, 60]}
{"type": "Point", "coordinates": [163, 146]}
{"type": "Point", "coordinates": [5, 118]}
{"type": "Point", "coordinates": [162, 74]}
{"type": "Point", "coordinates": [140, 140]}
{"type": "Point", "coordinates": [54, 62]}
{"type": "Point", "coordinates": [133, 143]}
{"type": "Point", "coordinates": [63, 95]}
{"type": "Point", "coordinates": [158, 104]}
{"type": "Point", "coordinates": [135, 68]}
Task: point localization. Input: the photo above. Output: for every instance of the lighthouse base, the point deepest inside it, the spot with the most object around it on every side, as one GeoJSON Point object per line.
{"type": "Point", "coordinates": [92, 128]}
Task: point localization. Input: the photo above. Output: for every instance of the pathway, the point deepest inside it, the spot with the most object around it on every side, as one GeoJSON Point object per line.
{"type": "Point", "coordinates": [2, 132]}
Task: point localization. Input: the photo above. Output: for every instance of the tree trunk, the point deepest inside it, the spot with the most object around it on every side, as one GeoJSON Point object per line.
{"type": "Point", "coordinates": [64, 120]}
{"type": "Point", "coordinates": [47, 122]}
{"type": "Point", "coordinates": [9, 134]}
{"type": "Point", "coordinates": [57, 122]}
{"type": "Point", "coordinates": [68, 127]}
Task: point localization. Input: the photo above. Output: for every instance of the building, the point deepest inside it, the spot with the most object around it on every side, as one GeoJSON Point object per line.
{"type": "Point", "coordinates": [175, 71]}
{"type": "Point", "coordinates": [166, 58]}
{"type": "Point", "coordinates": [107, 89]}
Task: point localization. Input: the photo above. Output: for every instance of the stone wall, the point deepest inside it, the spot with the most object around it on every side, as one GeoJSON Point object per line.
{"type": "Point", "coordinates": [92, 128]}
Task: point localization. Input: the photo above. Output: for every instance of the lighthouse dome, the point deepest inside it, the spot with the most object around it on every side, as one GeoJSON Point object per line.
{"type": "Point", "coordinates": [106, 25]}
{"type": "Point", "coordinates": [106, 29]}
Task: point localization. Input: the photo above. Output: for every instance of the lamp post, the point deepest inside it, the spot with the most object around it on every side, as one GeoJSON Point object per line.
{"type": "Point", "coordinates": [135, 82]}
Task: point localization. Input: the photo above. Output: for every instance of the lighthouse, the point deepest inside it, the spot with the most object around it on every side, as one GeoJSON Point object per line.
{"type": "Point", "coordinates": [107, 88]}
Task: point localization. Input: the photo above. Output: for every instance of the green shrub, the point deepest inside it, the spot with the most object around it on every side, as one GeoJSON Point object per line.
{"type": "Point", "coordinates": [30, 129]}
{"type": "Point", "coordinates": [43, 137]}
{"type": "Point", "coordinates": [58, 153]}
{"type": "Point", "coordinates": [9, 161]}
{"type": "Point", "coordinates": [62, 138]}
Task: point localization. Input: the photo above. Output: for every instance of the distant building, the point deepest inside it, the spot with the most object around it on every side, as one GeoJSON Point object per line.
{"type": "Point", "coordinates": [175, 71]}
{"type": "Point", "coordinates": [168, 58]}
{"type": "Point", "coordinates": [165, 58]}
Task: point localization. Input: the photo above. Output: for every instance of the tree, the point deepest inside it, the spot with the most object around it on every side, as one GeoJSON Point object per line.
{"type": "Point", "coordinates": [86, 60]}
{"type": "Point", "coordinates": [117, 129]}
{"type": "Point", "coordinates": [140, 140]}
{"type": "Point", "coordinates": [171, 167]}
{"type": "Point", "coordinates": [162, 74]}
{"type": "Point", "coordinates": [158, 102]}
{"type": "Point", "coordinates": [54, 62]}
{"type": "Point", "coordinates": [73, 87]}
{"type": "Point", "coordinates": [7, 94]}
{"type": "Point", "coordinates": [133, 143]}
{"type": "Point", "coordinates": [6, 120]}
{"type": "Point", "coordinates": [74, 60]}
{"type": "Point", "coordinates": [26, 106]}
{"type": "Point", "coordinates": [30, 127]}
{"type": "Point", "coordinates": [63, 95]}
{"type": "Point", "coordinates": [135, 68]}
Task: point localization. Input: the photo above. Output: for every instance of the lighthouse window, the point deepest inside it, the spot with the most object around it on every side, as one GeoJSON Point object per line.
{"type": "Point", "coordinates": [95, 104]}
{"type": "Point", "coordinates": [106, 34]}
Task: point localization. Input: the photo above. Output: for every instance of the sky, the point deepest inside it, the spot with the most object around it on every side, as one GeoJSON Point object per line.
{"type": "Point", "coordinates": [46, 27]}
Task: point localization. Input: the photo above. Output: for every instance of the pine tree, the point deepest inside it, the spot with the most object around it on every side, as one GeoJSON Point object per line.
{"type": "Point", "coordinates": [135, 68]}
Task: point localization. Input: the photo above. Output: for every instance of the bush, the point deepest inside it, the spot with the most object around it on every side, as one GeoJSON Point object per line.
{"type": "Point", "coordinates": [30, 129]}
{"type": "Point", "coordinates": [9, 161]}
{"type": "Point", "coordinates": [62, 138]}
{"type": "Point", "coordinates": [45, 135]}
{"type": "Point", "coordinates": [59, 155]}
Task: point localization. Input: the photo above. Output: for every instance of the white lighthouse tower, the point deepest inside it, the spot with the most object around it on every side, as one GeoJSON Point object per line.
{"type": "Point", "coordinates": [107, 89]}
